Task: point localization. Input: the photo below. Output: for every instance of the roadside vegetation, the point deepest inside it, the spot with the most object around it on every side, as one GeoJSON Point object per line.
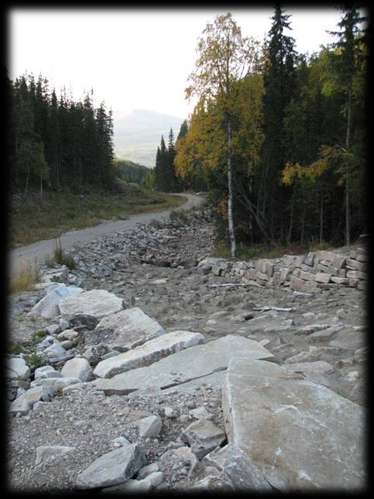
{"type": "Point", "coordinates": [33, 220]}
{"type": "Point", "coordinates": [244, 252]}
{"type": "Point", "coordinates": [25, 280]}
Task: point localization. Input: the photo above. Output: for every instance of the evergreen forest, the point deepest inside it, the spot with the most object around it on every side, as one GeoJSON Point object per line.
{"type": "Point", "coordinates": [56, 143]}
{"type": "Point", "coordinates": [277, 138]}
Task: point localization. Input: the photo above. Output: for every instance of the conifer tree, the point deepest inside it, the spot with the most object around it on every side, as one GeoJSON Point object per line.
{"type": "Point", "coordinates": [349, 43]}
{"type": "Point", "coordinates": [171, 176]}
{"type": "Point", "coordinates": [279, 79]}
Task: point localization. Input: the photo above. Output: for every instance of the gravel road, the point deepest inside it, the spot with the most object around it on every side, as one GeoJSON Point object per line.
{"type": "Point", "coordinates": [39, 251]}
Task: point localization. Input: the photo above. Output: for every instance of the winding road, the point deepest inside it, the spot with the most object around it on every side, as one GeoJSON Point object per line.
{"type": "Point", "coordinates": [39, 251]}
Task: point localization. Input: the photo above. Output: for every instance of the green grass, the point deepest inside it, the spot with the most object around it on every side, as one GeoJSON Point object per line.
{"type": "Point", "coordinates": [34, 360]}
{"type": "Point", "coordinates": [243, 252]}
{"type": "Point", "coordinates": [38, 337]}
{"type": "Point", "coordinates": [33, 220]}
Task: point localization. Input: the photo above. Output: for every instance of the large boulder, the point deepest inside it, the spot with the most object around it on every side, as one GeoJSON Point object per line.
{"type": "Point", "coordinates": [97, 303]}
{"type": "Point", "coordinates": [47, 307]}
{"type": "Point", "coordinates": [148, 353]}
{"type": "Point", "coordinates": [194, 363]}
{"type": "Point", "coordinates": [290, 433]}
{"type": "Point", "coordinates": [126, 329]}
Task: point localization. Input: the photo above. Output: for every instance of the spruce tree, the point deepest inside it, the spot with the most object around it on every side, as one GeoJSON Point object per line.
{"type": "Point", "coordinates": [279, 80]}
{"type": "Point", "coordinates": [348, 43]}
{"type": "Point", "coordinates": [171, 176]}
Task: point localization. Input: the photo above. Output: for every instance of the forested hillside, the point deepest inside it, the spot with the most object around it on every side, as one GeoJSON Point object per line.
{"type": "Point", "coordinates": [56, 142]}
{"type": "Point", "coordinates": [278, 137]}
{"type": "Point", "coordinates": [130, 171]}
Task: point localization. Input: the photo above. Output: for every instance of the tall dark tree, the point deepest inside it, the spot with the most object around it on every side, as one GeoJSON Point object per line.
{"type": "Point", "coordinates": [104, 132]}
{"type": "Point", "coordinates": [53, 143]}
{"type": "Point", "coordinates": [279, 80]}
{"type": "Point", "coordinates": [161, 170]}
{"type": "Point", "coordinates": [172, 185]}
{"type": "Point", "coordinates": [350, 38]}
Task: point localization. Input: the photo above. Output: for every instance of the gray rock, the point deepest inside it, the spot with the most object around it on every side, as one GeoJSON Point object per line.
{"type": "Point", "coordinates": [67, 344]}
{"type": "Point", "coordinates": [169, 412]}
{"type": "Point", "coordinates": [304, 286]}
{"type": "Point", "coordinates": [112, 468]}
{"type": "Point", "coordinates": [52, 329]}
{"type": "Point", "coordinates": [17, 368]}
{"type": "Point", "coordinates": [191, 363]}
{"type": "Point", "coordinates": [325, 334]}
{"type": "Point", "coordinates": [94, 353]}
{"type": "Point", "coordinates": [146, 484]}
{"type": "Point", "coordinates": [149, 426]}
{"type": "Point", "coordinates": [68, 334]}
{"type": "Point", "coordinates": [78, 367]}
{"type": "Point", "coordinates": [312, 328]}
{"type": "Point", "coordinates": [51, 453]}
{"type": "Point", "coordinates": [148, 353]}
{"type": "Point", "coordinates": [180, 462]}
{"type": "Point", "coordinates": [55, 351]}
{"type": "Point", "coordinates": [120, 442]}
{"type": "Point", "coordinates": [309, 368]}
{"type": "Point", "coordinates": [322, 277]}
{"type": "Point", "coordinates": [203, 436]}
{"type": "Point", "coordinates": [126, 329]}
{"type": "Point", "coordinates": [200, 413]}
{"type": "Point", "coordinates": [20, 406]}
{"type": "Point", "coordinates": [303, 435]}
{"type": "Point", "coordinates": [47, 307]}
{"type": "Point", "coordinates": [64, 324]}
{"type": "Point", "coordinates": [110, 354]}
{"type": "Point", "coordinates": [213, 482]}
{"type": "Point", "coordinates": [147, 470]}
{"type": "Point", "coordinates": [97, 303]}
{"type": "Point", "coordinates": [45, 343]}
{"type": "Point", "coordinates": [55, 383]}
{"type": "Point", "coordinates": [37, 393]}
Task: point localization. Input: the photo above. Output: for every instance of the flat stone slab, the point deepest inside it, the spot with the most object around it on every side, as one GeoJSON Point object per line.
{"type": "Point", "coordinates": [126, 329]}
{"type": "Point", "coordinates": [325, 334]}
{"type": "Point", "coordinates": [314, 367]}
{"type": "Point", "coordinates": [112, 468]}
{"type": "Point", "coordinates": [189, 364]}
{"type": "Point", "coordinates": [148, 353]}
{"type": "Point", "coordinates": [96, 303]}
{"type": "Point", "coordinates": [291, 433]}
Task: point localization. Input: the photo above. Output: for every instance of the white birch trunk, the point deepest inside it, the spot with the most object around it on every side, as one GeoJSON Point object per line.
{"type": "Point", "coordinates": [230, 198]}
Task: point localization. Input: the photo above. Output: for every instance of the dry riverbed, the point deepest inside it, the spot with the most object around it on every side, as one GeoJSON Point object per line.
{"type": "Point", "coordinates": [319, 337]}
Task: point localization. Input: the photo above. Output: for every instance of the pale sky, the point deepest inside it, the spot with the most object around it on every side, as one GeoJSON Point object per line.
{"type": "Point", "coordinates": [136, 59]}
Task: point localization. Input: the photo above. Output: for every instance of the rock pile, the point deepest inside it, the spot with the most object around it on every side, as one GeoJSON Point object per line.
{"type": "Point", "coordinates": [242, 386]}
{"type": "Point", "coordinates": [306, 273]}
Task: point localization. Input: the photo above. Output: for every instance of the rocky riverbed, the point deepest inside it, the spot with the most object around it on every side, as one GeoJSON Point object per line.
{"type": "Point", "coordinates": [153, 366]}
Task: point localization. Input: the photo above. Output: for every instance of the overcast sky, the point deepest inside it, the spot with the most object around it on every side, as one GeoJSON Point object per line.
{"type": "Point", "coordinates": [136, 59]}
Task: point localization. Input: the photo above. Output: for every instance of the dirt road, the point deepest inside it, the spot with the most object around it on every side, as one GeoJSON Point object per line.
{"type": "Point", "coordinates": [39, 251]}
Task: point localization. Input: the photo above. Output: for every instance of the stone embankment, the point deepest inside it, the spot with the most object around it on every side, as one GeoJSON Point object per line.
{"type": "Point", "coordinates": [152, 366]}
{"type": "Point", "coordinates": [310, 272]}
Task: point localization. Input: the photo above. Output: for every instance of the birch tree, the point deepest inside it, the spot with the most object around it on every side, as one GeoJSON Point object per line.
{"type": "Point", "coordinates": [224, 57]}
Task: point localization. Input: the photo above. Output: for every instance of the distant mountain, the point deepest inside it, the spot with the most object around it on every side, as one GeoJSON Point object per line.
{"type": "Point", "coordinates": [137, 135]}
